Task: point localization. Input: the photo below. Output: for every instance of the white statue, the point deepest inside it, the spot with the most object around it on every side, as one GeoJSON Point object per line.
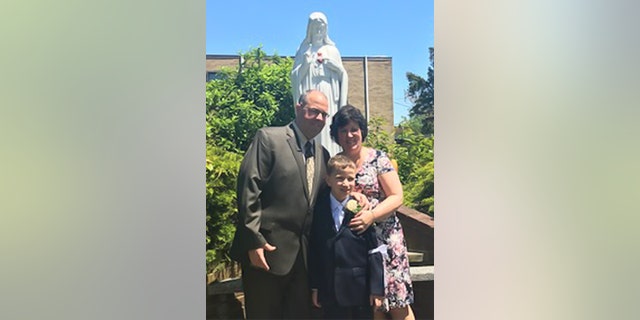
{"type": "Point", "coordinates": [318, 65]}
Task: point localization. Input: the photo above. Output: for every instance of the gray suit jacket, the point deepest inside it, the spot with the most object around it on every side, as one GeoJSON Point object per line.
{"type": "Point", "coordinates": [274, 204]}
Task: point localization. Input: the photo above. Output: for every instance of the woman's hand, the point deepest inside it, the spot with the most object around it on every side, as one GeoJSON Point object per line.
{"type": "Point", "coordinates": [362, 200]}
{"type": "Point", "coordinates": [362, 221]}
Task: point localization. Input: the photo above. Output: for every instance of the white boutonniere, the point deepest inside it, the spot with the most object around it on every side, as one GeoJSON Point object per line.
{"type": "Point", "coordinates": [353, 206]}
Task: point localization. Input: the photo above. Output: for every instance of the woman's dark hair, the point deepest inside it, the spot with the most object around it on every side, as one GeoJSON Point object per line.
{"type": "Point", "coordinates": [345, 114]}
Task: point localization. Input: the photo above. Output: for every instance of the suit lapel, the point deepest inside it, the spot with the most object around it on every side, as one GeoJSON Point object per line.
{"type": "Point", "coordinates": [347, 218]}
{"type": "Point", "coordinates": [317, 165]}
{"type": "Point", "coordinates": [297, 155]}
{"type": "Point", "coordinates": [348, 215]}
{"type": "Point", "coordinates": [320, 162]}
{"type": "Point", "coordinates": [325, 206]}
{"type": "Point", "coordinates": [344, 226]}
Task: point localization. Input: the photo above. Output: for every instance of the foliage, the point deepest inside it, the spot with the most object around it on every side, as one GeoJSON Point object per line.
{"type": "Point", "coordinates": [377, 138]}
{"type": "Point", "coordinates": [421, 94]}
{"type": "Point", "coordinates": [241, 101]}
{"type": "Point", "coordinates": [238, 103]}
{"type": "Point", "coordinates": [221, 173]}
{"type": "Point", "coordinates": [258, 94]}
{"type": "Point", "coordinates": [413, 152]}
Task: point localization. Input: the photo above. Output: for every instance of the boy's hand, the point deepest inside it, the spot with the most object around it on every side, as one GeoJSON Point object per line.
{"type": "Point", "coordinates": [314, 298]}
{"type": "Point", "coordinates": [375, 301]}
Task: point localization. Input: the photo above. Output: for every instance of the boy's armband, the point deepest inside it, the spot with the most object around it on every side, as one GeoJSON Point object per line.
{"type": "Point", "coordinates": [381, 248]}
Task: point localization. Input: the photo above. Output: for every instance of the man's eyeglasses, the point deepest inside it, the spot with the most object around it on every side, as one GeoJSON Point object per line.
{"type": "Point", "coordinates": [313, 112]}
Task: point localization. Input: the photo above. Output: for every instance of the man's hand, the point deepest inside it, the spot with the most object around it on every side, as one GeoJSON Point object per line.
{"type": "Point", "coordinates": [256, 256]}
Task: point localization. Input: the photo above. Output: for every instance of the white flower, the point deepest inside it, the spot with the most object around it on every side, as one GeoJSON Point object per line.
{"type": "Point", "coordinates": [353, 206]}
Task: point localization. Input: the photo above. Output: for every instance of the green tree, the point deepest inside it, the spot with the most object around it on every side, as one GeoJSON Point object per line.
{"type": "Point", "coordinates": [378, 138]}
{"type": "Point", "coordinates": [242, 100]}
{"type": "Point", "coordinates": [413, 153]}
{"type": "Point", "coordinates": [221, 173]}
{"type": "Point", "coordinates": [421, 94]}
{"type": "Point", "coordinates": [238, 103]}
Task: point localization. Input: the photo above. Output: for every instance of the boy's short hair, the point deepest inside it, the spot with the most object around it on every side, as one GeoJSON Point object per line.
{"type": "Point", "coordinates": [339, 162]}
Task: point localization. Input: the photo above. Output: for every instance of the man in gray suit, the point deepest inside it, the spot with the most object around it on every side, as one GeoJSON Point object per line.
{"type": "Point", "coordinates": [280, 176]}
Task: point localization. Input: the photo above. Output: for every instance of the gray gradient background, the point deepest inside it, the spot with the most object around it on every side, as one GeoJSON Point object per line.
{"type": "Point", "coordinates": [102, 179]}
{"type": "Point", "coordinates": [537, 159]}
{"type": "Point", "coordinates": [102, 170]}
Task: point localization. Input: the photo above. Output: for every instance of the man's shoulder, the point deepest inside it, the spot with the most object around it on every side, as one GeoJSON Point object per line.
{"type": "Point", "coordinates": [273, 131]}
{"type": "Point", "coordinates": [279, 129]}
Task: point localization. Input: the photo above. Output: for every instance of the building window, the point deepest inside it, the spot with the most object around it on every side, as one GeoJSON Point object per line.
{"type": "Point", "coordinates": [211, 75]}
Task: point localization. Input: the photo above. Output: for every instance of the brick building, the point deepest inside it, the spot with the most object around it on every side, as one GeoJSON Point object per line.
{"type": "Point", "coordinates": [370, 83]}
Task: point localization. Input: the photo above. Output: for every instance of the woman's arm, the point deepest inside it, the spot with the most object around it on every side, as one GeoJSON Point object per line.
{"type": "Point", "coordinates": [390, 183]}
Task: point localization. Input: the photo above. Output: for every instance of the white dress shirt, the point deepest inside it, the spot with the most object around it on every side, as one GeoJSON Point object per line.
{"type": "Point", "coordinates": [301, 139]}
{"type": "Point", "coordinates": [336, 210]}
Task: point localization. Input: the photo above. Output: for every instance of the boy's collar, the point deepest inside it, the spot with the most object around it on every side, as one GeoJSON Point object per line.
{"type": "Point", "coordinates": [335, 202]}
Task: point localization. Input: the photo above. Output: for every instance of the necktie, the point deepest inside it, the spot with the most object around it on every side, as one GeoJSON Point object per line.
{"type": "Point", "coordinates": [308, 154]}
{"type": "Point", "coordinates": [338, 217]}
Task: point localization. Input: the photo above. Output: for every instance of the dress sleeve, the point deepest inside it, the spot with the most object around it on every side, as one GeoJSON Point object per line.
{"type": "Point", "coordinates": [383, 163]}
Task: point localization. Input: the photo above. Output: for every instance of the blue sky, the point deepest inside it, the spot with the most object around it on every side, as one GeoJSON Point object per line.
{"type": "Point", "coordinates": [402, 30]}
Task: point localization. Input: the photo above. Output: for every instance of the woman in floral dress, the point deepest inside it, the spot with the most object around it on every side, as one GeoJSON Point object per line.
{"type": "Point", "coordinates": [378, 180]}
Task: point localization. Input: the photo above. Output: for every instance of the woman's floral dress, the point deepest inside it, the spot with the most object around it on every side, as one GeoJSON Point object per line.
{"type": "Point", "coordinates": [398, 289]}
